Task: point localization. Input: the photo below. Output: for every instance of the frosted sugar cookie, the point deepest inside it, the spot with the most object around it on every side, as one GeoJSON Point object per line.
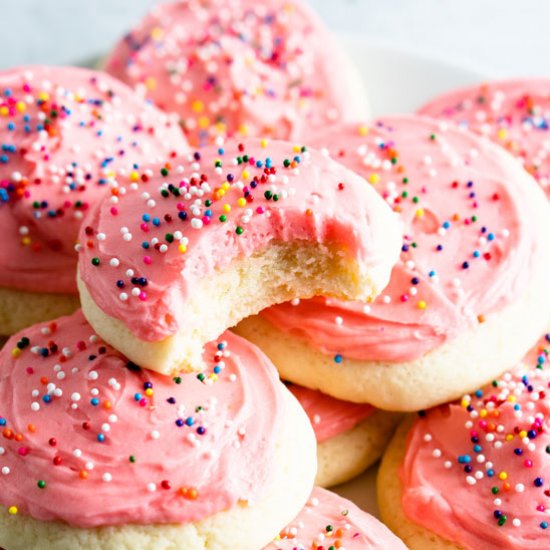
{"type": "Point", "coordinates": [168, 265]}
{"type": "Point", "coordinates": [329, 521]}
{"type": "Point", "coordinates": [469, 295]}
{"type": "Point", "coordinates": [350, 436]}
{"type": "Point", "coordinates": [67, 136]}
{"type": "Point", "coordinates": [240, 68]}
{"type": "Point", "coordinates": [97, 453]}
{"type": "Point", "coordinates": [512, 113]}
{"type": "Point", "coordinates": [474, 474]}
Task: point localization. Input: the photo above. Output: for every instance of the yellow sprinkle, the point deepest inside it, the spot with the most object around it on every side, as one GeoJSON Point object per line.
{"type": "Point", "coordinates": [13, 510]}
{"type": "Point", "coordinates": [420, 213]}
{"type": "Point", "coordinates": [43, 96]}
{"type": "Point", "coordinates": [523, 434]}
{"type": "Point", "coordinates": [197, 106]}
{"type": "Point", "coordinates": [363, 130]}
{"type": "Point", "coordinates": [512, 398]}
{"type": "Point", "coordinates": [226, 186]}
{"type": "Point", "coordinates": [182, 248]}
{"type": "Point", "coordinates": [15, 352]}
{"type": "Point", "coordinates": [374, 178]}
{"type": "Point", "coordinates": [465, 402]}
{"type": "Point", "coordinates": [134, 176]}
{"type": "Point", "coordinates": [422, 304]}
{"type": "Point", "coordinates": [151, 83]}
{"type": "Point", "coordinates": [226, 208]}
{"type": "Point", "coordinates": [263, 143]}
{"type": "Point", "coordinates": [213, 377]}
{"type": "Point", "coordinates": [509, 437]}
{"type": "Point", "coordinates": [296, 148]}
{"type": "Point", "coordinates": [204, 122]}
{"type": "Point", "coordinates": [4, 111]}
{"type": "Point", "coordinates": [243, 130]}
{"type": "Point", "coordinates": [219, 194]}
{"type": "Point", "coordinates": [157, 33]}
{"type": "Point", "coordinates": [21, 107]}
{"type": "Point", "coordinates": [26, 241]}
{"type": "Point", "coordinates": [221, 127]}
{"type": "Point", "coordinates": [245, 175]}
{"type": "Point", "coordinates": [502, 134]}
{"type": "Point", "coordinates": [149, 392]}
{"type": "Point", "coordinates": [483, 413]}
{"type": "Point", "coordinates": [241, 201]}
{"type": "Point", "coordinates": [503, 476]}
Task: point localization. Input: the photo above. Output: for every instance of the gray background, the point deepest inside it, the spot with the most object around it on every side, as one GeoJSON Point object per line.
{"type": "Point", "coordinates": [503, 37]}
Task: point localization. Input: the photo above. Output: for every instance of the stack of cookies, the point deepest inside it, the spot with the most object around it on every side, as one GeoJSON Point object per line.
{"type": "Point", "coordinates": [391, 272]}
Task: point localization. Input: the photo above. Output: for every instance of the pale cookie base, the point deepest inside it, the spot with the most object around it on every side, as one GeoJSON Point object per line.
{"type": "Point", "coordinates": [243, 527]}
{"type": "Point", "coordinates": [348, 454]}
{"type": "Point", "coordinates": [20, 309]}
{"type": "Point", "coordinates": [459, 366]}
{"type": "Point", "coordinates": [275, 274]}
{"type": "Point", "coordinates": [390, 491]}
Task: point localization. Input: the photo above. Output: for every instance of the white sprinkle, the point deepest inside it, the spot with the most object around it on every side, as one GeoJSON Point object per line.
{"type": "Point", "coordinates": [114, 262]}
{"type": "Point", "coordinates": [75, 396]}
{"type": "Point", "coordinates": [5, 470]}
{"type": "Point", "coordinates": [93, 375]}
{"type": "Point", "coordinates": [77, 453]}
{"type": "Point", "coordinates": [35, 406]}
{"type": "Point", "coordinates": [151, 487]}
{"type": "Point", "coordinates": [123, 296]}
{"type": "Point", "coordinates": [107, 477]}
{"type": "Point", "coordinates": [155, 434]}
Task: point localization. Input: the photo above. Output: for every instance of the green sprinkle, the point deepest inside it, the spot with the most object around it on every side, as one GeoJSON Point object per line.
{"type": "Point", "coordinates": [494, 490]}
{"type": "Point", "coordinates": [239, 230]}
{"type": "Point", "coordinates": [268, 195]}
{"type": "Point", "coordinates": [165, 193]}
{"type": "Point", "coordinates": [95, 261]}
{"type": "Point", "coordinates": [169, 237]}
{"type": "Point", "coordinates": [177, 379]}
{"type": "Point", "coordinates": [132, 459]}
{"type": "Point", "coordinates": [41, 484]}
{"type": "Point", "coordinates": [223, 218]}
{"type": "Point", "coordinates": [164, 172]}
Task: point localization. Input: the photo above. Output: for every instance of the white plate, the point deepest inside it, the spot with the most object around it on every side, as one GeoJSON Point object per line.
{"type": "Point", "coordinates": [398, 82]}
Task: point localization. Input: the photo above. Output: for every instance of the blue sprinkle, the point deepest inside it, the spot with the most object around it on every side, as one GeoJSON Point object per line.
{"type": "Point", "coordinates": [146, 218]}
{"type": "Point", "coordinates": [101, 438]}
{"type": "Point", "coordinates": [338, 358]}
{"type": "Point", "coordinates": [94, 401]}
{"type": "Point", "coordinates": [189, 421]}
{"type": "Point", "coordinates": [464, 459]}
{"type": "Point", "coordinates": [47, 398]}
{"type": "Point", "coordinates": [137, 396]}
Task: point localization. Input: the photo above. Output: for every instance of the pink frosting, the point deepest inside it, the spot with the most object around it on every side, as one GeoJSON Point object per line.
{"type": "Point", "coordinates": [329, 520]}
{"type": "Point", "coordinates": [280, 193]}
{"type": "Point", "coordinates": [66, 135]}
{"type": "Point", "coordinates": [113, 444]}
{"type": "Point", "coordinates": [470, 243]}
{"type": "Point", "coordinates": [512, 113]}
{"type": "Point", "coordinates": [478, 472]}
{"type": "Point", "coordinates": [238, 68]}
{"type": "Point", "coordinates": [329, 416]}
